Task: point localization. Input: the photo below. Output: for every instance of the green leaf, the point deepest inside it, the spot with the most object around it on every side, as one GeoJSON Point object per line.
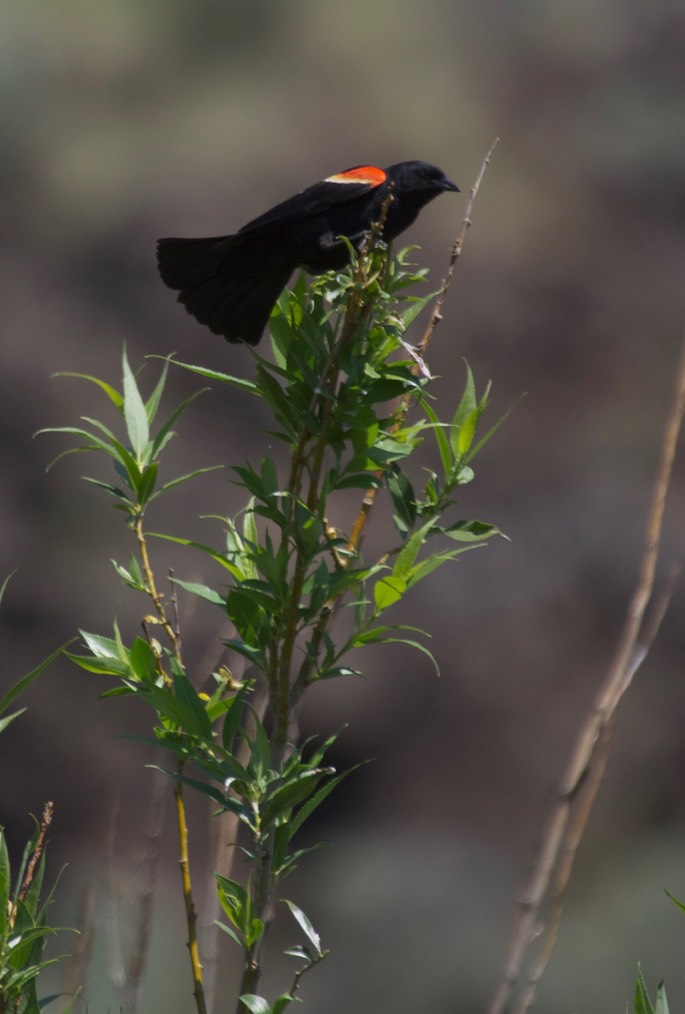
{"type": "Point", "coordinates": [471, 531]}
{"type": "Point", "coordinates": [143, 661]}
{"type": "Point", "coordinates": [233, 719]}
{"type": "Point", "coordinates": [3, 586]}
{"type": "Point", "coordinates": [135, 414]}
{"type": "Point", "coordinates": [387, 591]}
{"type": "Point", "coordinates": [101, 666]}
{"type": "Point", "coordinates": [153, 402]}
{"type": "Point", "coordinates": [299, 951]}
{"type": "Point", "coordinates": [184, 478]}
{"type": "Point", "coordinates": [493, 429]}
{"type": "Point", "coordinates": [196, 721]}
{"type": "Point", "coordinates": [226, 768]}
{"type": "Point", "coordinates": [468, 403]}
{"type": "Point", "coordinates": [236, 902]}
{"type": "Point", "coordinates": [305, 925]}
{"type": "Point", "coordinates": [380, 635]}
{"type": "Point", "coordinates": [462, 437]}
{"type": "Point", "coordinates": [250, 618]}
{"type": "Point", "coordinates": [426, 567]}
{"type": "Point", "coordinates": [202, 591]}
{"type": "Point", "coordinates": [465, 422]}
{"type": "Point", "coordinates": [675, 901]}
{"type": "Point", "coordinates": [5, 885]}
{"type": "Point", "coordinates": [101, 647]}
{"type": "Point", "coordinates": [25, 681]}
{"type": "Point", "coordinates": [417, 304]}
{"type": "Point", "coordinates": [8, 719]}
{"type": "Point", "coordinates": [224, 378]}
{"type": "Point", "coordinates": [403, 496]}
{"type": "Point", "coordinates": [194, 783]}
{"type": "Point", "coordinates": [260, 749]}
{"type": "Point", "coordinates": [114, 449]}
{"type": "Point", "coordinates": [132, 575]}
{"type": "Point", "coordinates": [440, 438]}
{"type": "Point", "coordinates": [661, 1001]}
{"type": "Point", "coordinates": [643, 1005]}
{"type": "Point", "coordinates": [232, 933]}
{"type": "Point", "coordinates": [148, 479]}
{"type": "Point", "coordinates": [407, 555]}
{"type": "Point", "coordinates": [285, 797]}
{"type": "Point", "coordinates": [165, 433]}
{"type": "Point", "coordinates": [256, 1004]}
{"type": "Point", "coordinates": [282, 1002]}
{"type": "Point", "coordinates": [277, 398]}
{"type": "Point", "coordinates": [111, 392]}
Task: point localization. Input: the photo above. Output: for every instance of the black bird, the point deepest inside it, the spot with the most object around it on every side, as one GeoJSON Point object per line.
{"type": "Point", "coordinates": [230, 283]}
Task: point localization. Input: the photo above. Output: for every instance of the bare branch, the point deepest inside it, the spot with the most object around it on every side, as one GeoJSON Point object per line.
{"type": "Point", "coordinates": [583, 776]}
{"type": "Point", "coordinates": [457, 247]}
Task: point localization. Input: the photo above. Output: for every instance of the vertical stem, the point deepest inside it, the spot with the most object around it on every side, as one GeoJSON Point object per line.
{"type": "Point", "coordinates": [181, 820]}
{"type": "Point", "coordinates": [191, 915]}
{"type": "Point", "coordinates": [308, 456]}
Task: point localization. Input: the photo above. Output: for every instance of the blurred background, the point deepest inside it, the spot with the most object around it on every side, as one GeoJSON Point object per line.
{"type": "Point", "coordinates": [122, 122]}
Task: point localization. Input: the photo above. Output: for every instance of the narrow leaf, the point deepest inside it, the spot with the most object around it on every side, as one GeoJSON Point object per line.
{"type": "Point", "coordinates": [135, 415]}
{"type": "Point", "coordinates": [153, 401]}
{"type": "Point", "coordinates": [111, 393]}
{"type": "Point", "coordinates": [224, 378]}
{"type": "Point", "coordinates": [387, 591]}
{"type": "Point", "coordinates": [202, 591]}
{"type": "Point", "coordinates": [256, 1004]}
{"type": "Point", "coordinates": [305, 925]}
{"type": "Point", "coordinates": [28, 679]}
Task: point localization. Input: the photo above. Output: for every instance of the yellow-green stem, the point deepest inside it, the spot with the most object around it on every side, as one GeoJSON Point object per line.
{"type": "Point", "coordinates": [181, 820]}
{"type": "Point", "coordinates": [191, 915]}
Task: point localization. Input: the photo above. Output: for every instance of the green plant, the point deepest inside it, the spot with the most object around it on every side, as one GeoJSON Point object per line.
{"type": "Point", "coordinates": [23, 906]}
{"type": "Point", "coordinates": [342, 390]}
{"type": "Point", "coordinates": [642, 1003]}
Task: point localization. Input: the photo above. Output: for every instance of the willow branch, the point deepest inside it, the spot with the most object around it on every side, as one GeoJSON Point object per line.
{"type": "Point", "coordinates": [191, 914]}
{"type": "Point", "coordinates": [155, 596]}
{"type": "Point", "coordinates": [457, 248]}
{"type": "Point", "coordinates": [173, 633]}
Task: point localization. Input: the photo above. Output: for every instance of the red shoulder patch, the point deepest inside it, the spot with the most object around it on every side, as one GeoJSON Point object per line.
{"type": "Point", "coordinates": [369, 174]}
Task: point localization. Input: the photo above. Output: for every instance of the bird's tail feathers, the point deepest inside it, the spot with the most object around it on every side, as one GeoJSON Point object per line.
{"type": "Point", "coordinates": [237, 307]}
{"type": "Point", "coordinates": [188, 262]}
{"type": "Point", "coordinates": [225, 282]}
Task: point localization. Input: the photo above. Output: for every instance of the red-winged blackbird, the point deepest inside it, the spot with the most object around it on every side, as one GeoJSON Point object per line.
{"type": "Point", "coordinates": [230, 283]}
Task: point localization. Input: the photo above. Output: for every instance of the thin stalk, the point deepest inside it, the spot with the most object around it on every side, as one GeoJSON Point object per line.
{"type": "Point", "coordinates": [585, 768]}
{"type": "Point", "coordinates": [179, 801]}
{"type": "Point", "coordinates": [191, 914]}
{"type": "Point", "coordinates": [155, 596]}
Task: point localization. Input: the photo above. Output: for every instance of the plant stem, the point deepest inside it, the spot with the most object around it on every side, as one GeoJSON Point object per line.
{"type": "Point", "coordinates": [181, 819]}
{"type": "Point", "coordinates": [191, 915]}
{"type": "Point", "coordinates": [157, 599]}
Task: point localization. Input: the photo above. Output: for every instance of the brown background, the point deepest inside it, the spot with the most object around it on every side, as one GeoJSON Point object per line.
{"type": "Point", "coordinates": [121, 122]}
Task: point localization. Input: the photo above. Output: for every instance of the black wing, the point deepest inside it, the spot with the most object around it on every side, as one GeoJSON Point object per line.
{"type": "Point", "coordinates": [315, 200]}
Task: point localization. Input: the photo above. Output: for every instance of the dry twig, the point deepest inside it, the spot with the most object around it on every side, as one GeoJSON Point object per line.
{"type": "Point", "coordinates": [457, 247]}
{"type": "Point", "coordinates": [37, 852]}
{"type": "Point", "coordinates": [583, 776]}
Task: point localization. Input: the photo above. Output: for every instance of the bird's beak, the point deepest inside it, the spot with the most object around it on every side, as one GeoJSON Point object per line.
{"type": "Point", "coordinates": [448, 184]}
